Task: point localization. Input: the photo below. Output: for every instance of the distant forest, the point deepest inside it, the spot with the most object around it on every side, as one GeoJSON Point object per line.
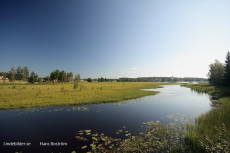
{"type": "Point", "coordinates": [163, 79]}
{"type": "Point", "coordinates": [22, 74]}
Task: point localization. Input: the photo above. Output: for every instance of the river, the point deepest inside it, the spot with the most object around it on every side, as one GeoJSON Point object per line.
{"type": "Point", "coordinates": [32, 129]}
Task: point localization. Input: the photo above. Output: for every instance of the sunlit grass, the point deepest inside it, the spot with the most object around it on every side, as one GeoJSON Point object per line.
{"type": "Point", "coordinates": [41, 95]}
{"type": "Point", "coordinates": [211, 132]}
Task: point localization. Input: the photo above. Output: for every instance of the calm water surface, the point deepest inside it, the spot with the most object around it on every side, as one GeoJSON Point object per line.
{"type": "Point", "coordinates": [60, 124]}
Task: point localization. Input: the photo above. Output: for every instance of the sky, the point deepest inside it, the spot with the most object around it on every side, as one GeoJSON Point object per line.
{"type": "Point", "coordinates": [113, 39]}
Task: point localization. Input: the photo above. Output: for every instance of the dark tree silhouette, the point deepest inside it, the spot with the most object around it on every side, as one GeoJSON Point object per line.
{"type": "Point", "coordinates": [227, 70]}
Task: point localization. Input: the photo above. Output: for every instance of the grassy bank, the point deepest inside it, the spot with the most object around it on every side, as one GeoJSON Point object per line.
{"type": "Point", "coordinates": [42, 95]}
{"type": "Point", "coordinates": [211, 133]}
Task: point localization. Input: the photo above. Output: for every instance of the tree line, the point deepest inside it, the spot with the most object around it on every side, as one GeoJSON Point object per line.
{"type": "Point", "coordinates": [219, 74]}
{"type": "Point", "coordinates": [160, 79]}
{"type": "Point", "coordinates": [16, 74]}
{"type": "Point", "coordinates": [60, 76]}
{"type": "Point", "coordinates": [22, 74]}
{"type": "Point", "coordinates": [106, 80]}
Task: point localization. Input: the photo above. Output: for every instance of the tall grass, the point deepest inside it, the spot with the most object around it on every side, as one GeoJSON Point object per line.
{"type": "Point", "coordinates": [211, 132]}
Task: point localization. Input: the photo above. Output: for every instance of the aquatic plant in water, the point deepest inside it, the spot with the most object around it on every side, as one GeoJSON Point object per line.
{"type": "Point", "coordinates": [156, 137]}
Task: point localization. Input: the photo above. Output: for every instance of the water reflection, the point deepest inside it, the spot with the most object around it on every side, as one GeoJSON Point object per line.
{"type": "Point", "coordinates": [213, 101]}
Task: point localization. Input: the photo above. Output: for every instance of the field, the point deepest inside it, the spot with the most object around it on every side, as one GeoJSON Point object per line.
{"type": "Point", "coordinates": [58, 94]}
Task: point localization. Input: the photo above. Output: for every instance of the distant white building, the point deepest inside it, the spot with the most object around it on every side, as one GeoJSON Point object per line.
{"type": "Point", "coordinates": [1, 77]}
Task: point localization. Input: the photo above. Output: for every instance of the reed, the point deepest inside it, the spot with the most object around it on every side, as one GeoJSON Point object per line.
{"type": "Point", "coordinates": [211, 132]}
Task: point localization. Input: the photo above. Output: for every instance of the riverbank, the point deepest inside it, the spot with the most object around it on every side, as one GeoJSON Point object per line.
{"type": "Point", "coordinates": [211, 132]}
{"type": "Point", "coordinates": [43, 95]}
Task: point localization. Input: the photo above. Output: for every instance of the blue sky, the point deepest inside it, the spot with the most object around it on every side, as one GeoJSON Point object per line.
{"type": "Point", "coordinates": [112, 39]}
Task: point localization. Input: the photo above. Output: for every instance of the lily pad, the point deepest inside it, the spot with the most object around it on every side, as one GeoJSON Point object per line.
{"type": "Point", "coordinates": [87, 131]}
{"type": "Point", "coordinates": [83, 147]}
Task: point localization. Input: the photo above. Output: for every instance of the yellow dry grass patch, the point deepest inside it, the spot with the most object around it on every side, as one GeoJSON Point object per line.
{"type": "Point", "coordinates": [15, 82]}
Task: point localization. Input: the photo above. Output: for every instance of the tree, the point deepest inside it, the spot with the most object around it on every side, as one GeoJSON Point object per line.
{"type": "Point", "coordinates": [78, 77]}
{"type": "Point", "coordinates": [227, 70]}
{"type": "Point", "coordinates": [25, 73]}
{"type": "Point", "coordinates": [33, 77]}
{"type": "Point", "coordinates": [56, 74]}
{"type": "Point", "coordinates": [62, 76]}
{"type": "Point", "coordinates": [67, 76]}
{"type": "Point", "coordinates": [71, 76]}
{"type": "Point", "coordinates": [216, 73]}
{"type": "Point", "coordinates": [52, 76]}
{"type": "Point", "coordinates": [89, 80]}
{"type": "Point", "coordinates": [19, 73]}
{"type": "Point", "coordinates": [11, 74]}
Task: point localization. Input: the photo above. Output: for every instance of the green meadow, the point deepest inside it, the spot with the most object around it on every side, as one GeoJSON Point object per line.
{"type": "Point", "coordinates": [58, 94]}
